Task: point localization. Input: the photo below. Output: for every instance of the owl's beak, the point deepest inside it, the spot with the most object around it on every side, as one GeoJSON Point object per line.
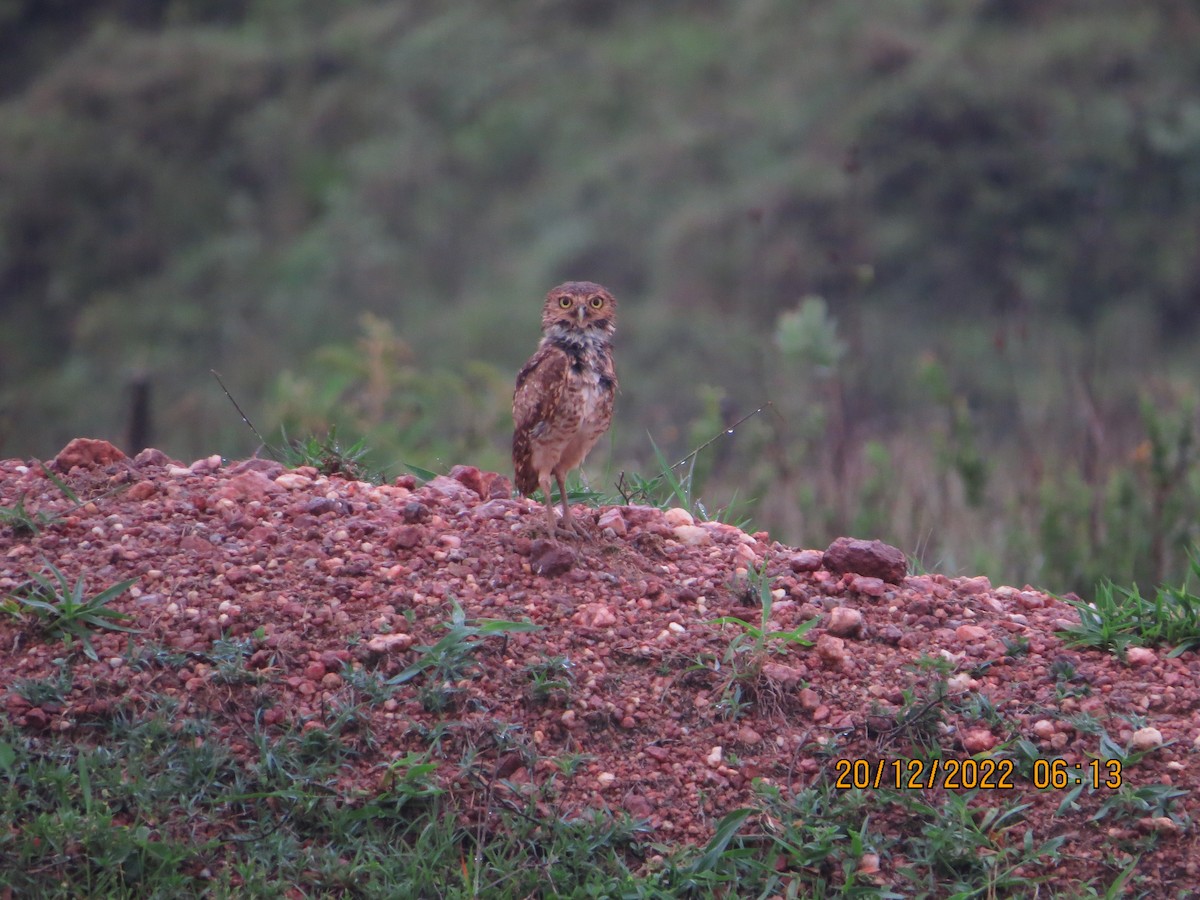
{"type": "Point", "coordinates": [580, 312]}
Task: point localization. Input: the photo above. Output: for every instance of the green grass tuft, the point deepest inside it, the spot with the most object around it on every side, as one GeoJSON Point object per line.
{"type": "Point", "coordinates": [62, 609]}
{"type": "Point", "coordinates": [1120, 617]}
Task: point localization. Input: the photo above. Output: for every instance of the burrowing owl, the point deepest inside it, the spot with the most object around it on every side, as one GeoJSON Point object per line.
{"type": "Point", "coordinates": [564, 396]}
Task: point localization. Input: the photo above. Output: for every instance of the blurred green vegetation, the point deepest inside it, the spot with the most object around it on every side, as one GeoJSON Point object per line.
{"type": "Point", "coordinates": [953, 244]}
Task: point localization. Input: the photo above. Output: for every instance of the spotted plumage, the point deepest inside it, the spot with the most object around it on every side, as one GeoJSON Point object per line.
{"type": "Point", "coordinates": [563, 401]}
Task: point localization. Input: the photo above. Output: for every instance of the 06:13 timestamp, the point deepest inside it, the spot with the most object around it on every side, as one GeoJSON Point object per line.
{"type": "Point", "coordinates": [1058, 773]}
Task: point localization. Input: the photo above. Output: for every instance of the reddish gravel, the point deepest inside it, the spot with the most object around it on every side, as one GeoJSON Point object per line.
{"type": "Point", "coordinates": [333, 572]}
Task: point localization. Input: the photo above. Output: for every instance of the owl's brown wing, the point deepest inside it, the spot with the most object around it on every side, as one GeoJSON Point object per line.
{"type": "Point", "coordinates": [540, 386]}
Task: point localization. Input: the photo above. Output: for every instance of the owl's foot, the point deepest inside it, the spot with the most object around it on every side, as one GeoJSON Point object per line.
{"type": "Point", "coordinates": [567, 527]}
{"type": "Point", "coordinates": [571, 529]}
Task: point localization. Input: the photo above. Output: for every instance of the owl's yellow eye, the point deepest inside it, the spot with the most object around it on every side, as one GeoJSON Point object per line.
{"type": "Point", "coordinates": [564, 302]}
{"type": "Point", "coordinates": [597, 302]}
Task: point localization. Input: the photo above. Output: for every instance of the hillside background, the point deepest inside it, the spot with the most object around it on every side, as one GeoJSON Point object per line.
{"type": "Point", "coordinates": [954, 245]}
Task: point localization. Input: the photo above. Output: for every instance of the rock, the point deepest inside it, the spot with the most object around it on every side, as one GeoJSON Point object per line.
{"type": "Point", "coordinates": [151, 457]}
{"type": "Point", "coordinates": [692, 535]}
{"type": "Point", "coordinates": [16, 705]}
{"type": "Point", "coordinates": [1030, 600]}
{"type": "Point", "coordinates": [550, 558]}
{"type": "Point", "coordinates": [971, 587]}
{"type": "Point", "coordinates": [207, 464]}
{"type": "Point", "coordinates": [319, 506]}
{"type": "Point", "coordinates": [831, 650]}
{"type": "Point", "coordinates": [638, 806]}
{"type": "Point", "coordinates": [846, 622]}
{"type": "Point", "coordinates": [891, 634]}
{"type": "Point", "coordinates": [873, 559]}
{"type": "Point", "coordinates": [414, 511]}
{"type": "Point", "coordinates": [36, 719]}
{"type": "Point", "coordinates": [333, 660]}
{"type": "Point", "coordinates": [806, 561]}
{"type": "Point", "coordinates": [293, 480]}
{"type": "Point", "coordinates": [509, 765]}
{"type": "Point", "coordinates": [471, 477]}
{"type": "Point", "coordinates": [244, 488]}
{"type": "Point", "coordinates": [268, 467]}
{"type": "Point", "coordinates": [496, 508]}
{"type": "Point", "coordinates": [1140, 656]}
{"type": "Point", "coordinates": [966, 634]}
{"type": "Point", "coordinates": [143, 490]}
{"type": "Point", "coordinates": [452, 488]}
{"type": "Point", "coordinates": [745, 555]}
{"type": "Point", "coordinates": [87, 453]}
{"type": "Point", "coordinates": [978, 740]}
{"type": "Point", "coordinates": [1159, 824]}
{"type": "Point", "coordinates": [612, 518]}
{"type": "Point", "coordinates": [657, 752]}
{"type": "Point", "coordinates": [784, 676]}
{"type": "Point", "coordinates": [642, 516]}
{"type": "Point", "coordinates": [314, 671]}
{"type": "Point", "coordinates": [194, 543]}
{"type": "Point", "coordinates": [677, 516]}
{"type": "Point", "coordinates": [748, 736]}
{"type": "Point", "coordinates": [385, 644]}
{"type": "Point", "coordinates": [872, 587]}
{"type": "Point", "coordinates": [1146, 739]}
{"type": "Point", "coordinates": [499, 488]}
{"type": "Point", "coordinates": [595, 615]}
{"type": "Point", "coordinates": [960, 683]}
{"type": "Point", "coordinates": [724, 533]}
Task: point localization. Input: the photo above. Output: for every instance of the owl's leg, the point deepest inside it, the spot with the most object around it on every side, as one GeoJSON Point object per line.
{"type": "Point", "coordinates": [551, 519]}
{"type": "Point", "coordinates": [568, 525]}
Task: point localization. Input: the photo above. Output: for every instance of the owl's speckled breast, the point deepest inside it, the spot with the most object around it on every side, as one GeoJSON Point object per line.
{"type": "Point", "coordinates": [595, 399]}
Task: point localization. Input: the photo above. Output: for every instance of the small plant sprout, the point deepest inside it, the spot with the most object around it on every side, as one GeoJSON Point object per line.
{"type": "Point", "coordinates": [26, 523]}
{"type": "Point", "coordinates": [757, 642]}
{"type": "Point", "coordinates": [749, 651]}
{"type": "Point", "coordinates": [550, 679]}
{"type": "Point", "coordinates": [453, 657]}
{"type": "Point", "coordinates": [570, 763]}
{"type": "Point", "coordinates": [63, 610]}
{"type": "Point", "coordinates": [22, 522]}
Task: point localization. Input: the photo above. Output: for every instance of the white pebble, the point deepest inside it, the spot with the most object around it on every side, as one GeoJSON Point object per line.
{"type": "Point", "coordinates": [1146, 739]}
{"type": "Point", "coordinates": [1140, 656]}
{"type": "Point", "coordinates": [678, 516]}
{"type": "Point", "coordinates": [692, 535]}
{"type": "Point", "coordinates": [1044, 729]}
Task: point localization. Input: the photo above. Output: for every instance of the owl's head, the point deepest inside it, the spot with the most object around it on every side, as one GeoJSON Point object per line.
{"type": "Point", "coordinates": [580, 306]}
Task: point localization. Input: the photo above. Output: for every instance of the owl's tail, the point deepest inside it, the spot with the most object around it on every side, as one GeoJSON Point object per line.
{"type": "Point", "coordinates": [526, 477]}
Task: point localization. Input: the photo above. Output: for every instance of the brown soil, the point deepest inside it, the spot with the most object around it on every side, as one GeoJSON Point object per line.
{"type": "Point", "coordinates": [329, 572]}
